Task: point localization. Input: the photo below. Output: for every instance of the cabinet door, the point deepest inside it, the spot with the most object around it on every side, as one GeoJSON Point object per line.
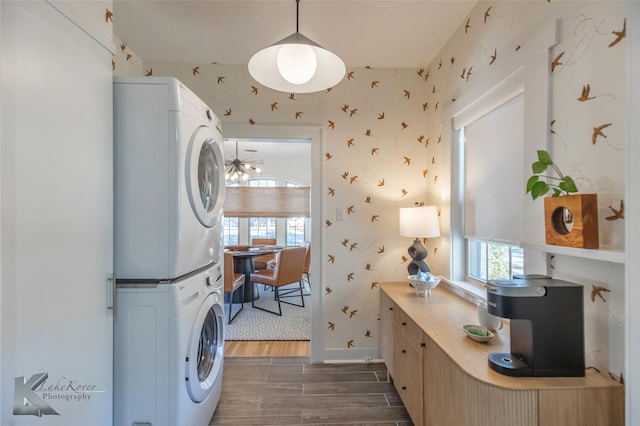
{"type": "Point", "coordinates": [57, 220]}
{"type": "Point", "coordinates": [453, 397]}
{"type": "Point", "coordinates": [386, 331]}
{"type": "Point", "coordinates": [408, 375]}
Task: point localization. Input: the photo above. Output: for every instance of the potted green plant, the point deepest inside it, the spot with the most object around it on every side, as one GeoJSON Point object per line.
{"type": "Point", "coordinates": [561, 184]}
{"type": "Point", "coordinates": [571, 219]}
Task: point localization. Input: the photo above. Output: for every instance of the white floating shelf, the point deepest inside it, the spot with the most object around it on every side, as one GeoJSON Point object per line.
{"type": "Point", "coordinates": [605, 254]}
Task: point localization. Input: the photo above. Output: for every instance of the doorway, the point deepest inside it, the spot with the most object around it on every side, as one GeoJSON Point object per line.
{"type": "Point", "coordinates": [313, 134]}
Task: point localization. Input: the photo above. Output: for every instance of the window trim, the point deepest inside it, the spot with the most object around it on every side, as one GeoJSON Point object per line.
{"type": "Point", "coordinates": [535, 76]}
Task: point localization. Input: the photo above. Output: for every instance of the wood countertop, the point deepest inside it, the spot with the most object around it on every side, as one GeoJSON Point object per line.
{"type": "Point", "coordinates": [442, 316]}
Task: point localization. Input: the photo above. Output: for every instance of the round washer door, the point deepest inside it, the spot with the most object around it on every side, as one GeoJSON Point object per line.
{"type": "Point", "coordinates": [205, 351]}
{"type": "Point", "coordinates": [205, 175]}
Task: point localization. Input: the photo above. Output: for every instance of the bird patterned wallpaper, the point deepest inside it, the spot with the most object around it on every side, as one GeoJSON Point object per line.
{"type": "Point", "coordinates": [379, 155]}
{"type": "Point", "coordinates": [586, 129]}
{"type": "Point", "coordinates": [384, 148]}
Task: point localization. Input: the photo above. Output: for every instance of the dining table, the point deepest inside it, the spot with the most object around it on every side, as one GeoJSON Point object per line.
{"type": "Point", "coordinates": [243, 256]}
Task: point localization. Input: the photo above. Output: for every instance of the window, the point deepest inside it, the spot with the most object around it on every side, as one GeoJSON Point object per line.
{"type": "Point", "coordinates": [231, 230]}
{"type": "Point", "coordinates": [487, 179]}
{"type": "Point", "coordinates": [295, 231]}
{"type": "Point", "coordinates": [262, 227]}
{"type": "Point", "coordinates": [492, 174]}
{"type": "Point", "coordinates": [290, 230]}
{"type": "Point", "coordinates": [493, 261]}
{"type": "Point", "coordinates": [263, 182]}
{"type": "Point", "coordinates": [295, 226]}
{"type": "Point", "coordinates": [230, 227]}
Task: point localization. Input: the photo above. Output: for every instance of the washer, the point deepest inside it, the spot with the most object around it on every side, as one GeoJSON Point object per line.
{"type": "Point", "coordinates": [169, 350]}
{"type": "Point", "coordinates": [169, 179]}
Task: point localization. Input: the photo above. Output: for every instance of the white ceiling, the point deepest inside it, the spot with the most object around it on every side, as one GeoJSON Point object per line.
{"type": "Point", "coordinates": [376, 33]}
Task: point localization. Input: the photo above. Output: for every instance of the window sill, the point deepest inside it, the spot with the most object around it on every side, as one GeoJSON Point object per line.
{"type": "Point", "coordinates": [470, 292]}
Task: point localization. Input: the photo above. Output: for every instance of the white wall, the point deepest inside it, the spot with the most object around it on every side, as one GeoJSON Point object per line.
{"type": "Point", "coordinates": [632, 350]}
{"type": "Point", "coordinates": [292, 169]}
{"type": "Point", "coordinates": [1, 281]}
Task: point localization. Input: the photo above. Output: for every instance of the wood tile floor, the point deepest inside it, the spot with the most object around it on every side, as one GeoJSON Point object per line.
{"type": "Point", "coordinates": [291, 391]}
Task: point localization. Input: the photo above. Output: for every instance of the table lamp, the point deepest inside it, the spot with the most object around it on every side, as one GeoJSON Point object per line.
{"type": "Point", "coordinates": [419, 222]}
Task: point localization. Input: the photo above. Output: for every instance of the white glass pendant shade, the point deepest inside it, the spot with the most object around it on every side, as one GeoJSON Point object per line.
{"type": "Point", "coordinates": [297, 63]}
{"type": "Point", "coordinates": [265, 69]}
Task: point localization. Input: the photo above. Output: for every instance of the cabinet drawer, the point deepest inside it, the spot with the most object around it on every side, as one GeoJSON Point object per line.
{"type": "Point", "coordinates": [407, 378]}
{"type": "Point", "coordinates": [408, 327]}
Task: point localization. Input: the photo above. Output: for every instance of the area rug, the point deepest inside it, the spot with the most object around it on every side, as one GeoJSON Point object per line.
{"type": "Point", "coordinates": [254, 324]}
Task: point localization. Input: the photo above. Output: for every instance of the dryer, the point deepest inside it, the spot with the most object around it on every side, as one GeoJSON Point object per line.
{"type": "Point", "coordinates": [169, 179]}
{"type": "Point", "coordinates": [169, 350]}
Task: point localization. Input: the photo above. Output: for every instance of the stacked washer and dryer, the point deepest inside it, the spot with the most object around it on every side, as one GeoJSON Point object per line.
{"type": "Point", "coordinates": [169, 191]}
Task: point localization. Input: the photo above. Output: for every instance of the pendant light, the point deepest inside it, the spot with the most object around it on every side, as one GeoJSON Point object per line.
{"type": "Point", "coordinates": [296, 64]}
{"type": "Point", "coordinates": [237, 169]}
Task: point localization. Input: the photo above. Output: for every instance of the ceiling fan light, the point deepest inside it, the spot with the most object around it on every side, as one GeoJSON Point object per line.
{"type": "Point", "coordinates": [238, 169]}
{"type": "Point", "coordinates": [297, 63]}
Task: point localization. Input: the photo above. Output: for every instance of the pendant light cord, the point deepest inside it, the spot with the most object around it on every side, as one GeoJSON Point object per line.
{"type": "Point", "coordinates": [297, 14]}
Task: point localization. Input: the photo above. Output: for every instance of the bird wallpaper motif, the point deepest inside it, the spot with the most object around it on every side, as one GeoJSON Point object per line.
{"type": "Point", "coordinates": [586, 129]}
{"type": "Point", "coordinates": [379, 155]}
{"type": "Point", "coordinates": [383, 149]}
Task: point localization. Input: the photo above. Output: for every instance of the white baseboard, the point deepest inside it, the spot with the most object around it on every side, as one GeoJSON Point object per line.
{"type": "Point", "coordinates": [340, 355]}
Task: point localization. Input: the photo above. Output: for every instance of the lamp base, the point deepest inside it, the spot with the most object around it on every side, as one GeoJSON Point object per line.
{"type": "Point", "coordinates": [418, 253]}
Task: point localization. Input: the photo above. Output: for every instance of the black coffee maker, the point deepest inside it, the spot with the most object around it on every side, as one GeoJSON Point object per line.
{"type": "Point", "coordinates": [547, 326]}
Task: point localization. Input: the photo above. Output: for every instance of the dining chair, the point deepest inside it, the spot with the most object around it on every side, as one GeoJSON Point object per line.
{"type": "Point", "coordinates": [307, 263]}
{"type": "Point", "coordinates": [288, 270]}
{"type": "Point", "coordinates": [233, 281]}
{"type": "Point", "coordinates": [261, 262]}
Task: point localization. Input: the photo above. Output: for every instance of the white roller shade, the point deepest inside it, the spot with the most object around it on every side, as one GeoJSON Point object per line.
{"type": "Point", "coordinates": [493, 178]}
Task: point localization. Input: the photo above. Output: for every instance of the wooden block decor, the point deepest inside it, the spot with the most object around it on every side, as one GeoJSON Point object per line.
{"type": "Point", "coordinates": [572, 220]}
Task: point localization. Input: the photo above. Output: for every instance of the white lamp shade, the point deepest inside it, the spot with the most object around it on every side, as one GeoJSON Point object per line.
{"type": "Point", "coordinates": [419, 222]}
{"type": "Point", "coordinates": [263, 67]}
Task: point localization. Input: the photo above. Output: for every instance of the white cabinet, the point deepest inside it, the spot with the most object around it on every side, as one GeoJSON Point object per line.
{"type": "Point", "coordinates": [57, 221]}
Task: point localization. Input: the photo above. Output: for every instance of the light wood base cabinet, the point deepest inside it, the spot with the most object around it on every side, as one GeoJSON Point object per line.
{"type": "Point", "coordinates": [407, 373]}
{"type": "Point", "coordinates": [443, 377]}
{"type": "Point", "coordinates": [386, 331]}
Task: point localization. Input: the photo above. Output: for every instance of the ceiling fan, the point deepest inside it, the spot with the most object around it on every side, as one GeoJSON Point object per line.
{"type": "Point", "coordinates": [237, 169]}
